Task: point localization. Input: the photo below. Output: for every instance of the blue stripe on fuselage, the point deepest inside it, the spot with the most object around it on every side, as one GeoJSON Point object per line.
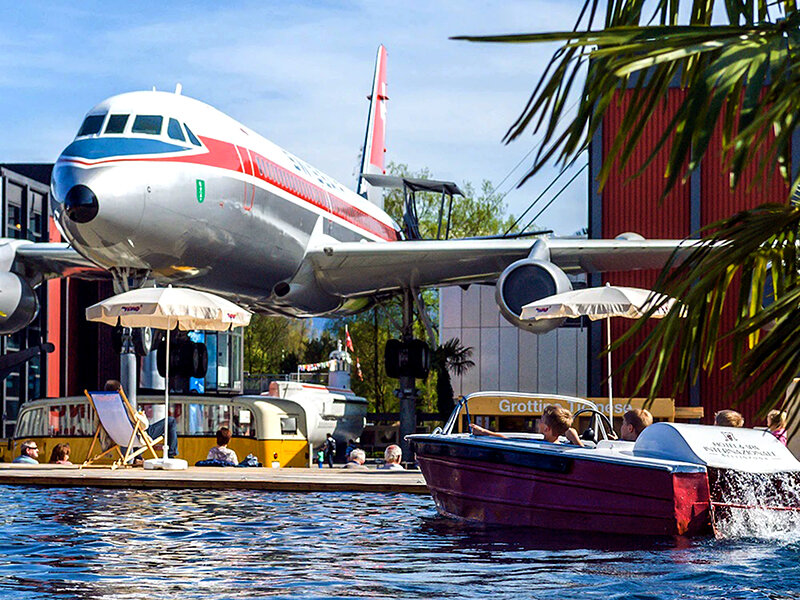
{"type": "Point", "coordinates": [105, 147]}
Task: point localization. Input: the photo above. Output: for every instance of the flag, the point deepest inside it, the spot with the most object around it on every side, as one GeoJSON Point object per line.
{"type": "Point", "coordinates": [358, 370]}
{"type": "Point", "coordinates": [348, 342]}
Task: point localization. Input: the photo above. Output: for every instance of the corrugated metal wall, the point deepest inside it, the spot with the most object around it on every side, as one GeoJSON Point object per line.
{"type": "Point", "coordinates": [633, 206]}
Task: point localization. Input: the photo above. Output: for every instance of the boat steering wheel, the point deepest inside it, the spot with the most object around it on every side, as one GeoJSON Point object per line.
{"type": "Point", "coordinates": [607, 430]}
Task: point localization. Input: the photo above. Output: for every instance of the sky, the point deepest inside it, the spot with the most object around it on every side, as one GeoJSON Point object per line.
{"type": "Point", "coordinates": [298, 73]}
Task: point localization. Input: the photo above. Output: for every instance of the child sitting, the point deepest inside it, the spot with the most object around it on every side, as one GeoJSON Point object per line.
{"type": "Point", "coordinates": [776, 423]}
{"type": "Point", "coordinates": [557, 421]}
{"type": "Point", "coordinates": [221, 451]}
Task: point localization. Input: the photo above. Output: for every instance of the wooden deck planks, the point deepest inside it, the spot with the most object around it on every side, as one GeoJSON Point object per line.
{"type": "Point", "coordinates": [286, 480]}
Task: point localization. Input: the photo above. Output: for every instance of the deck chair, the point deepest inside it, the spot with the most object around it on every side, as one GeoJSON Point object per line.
{"type": "Point", "coordinates": [119, 421]}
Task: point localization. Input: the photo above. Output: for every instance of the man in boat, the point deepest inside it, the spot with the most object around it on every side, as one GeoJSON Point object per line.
{"type": "Point", "coordinates": [634, 422]}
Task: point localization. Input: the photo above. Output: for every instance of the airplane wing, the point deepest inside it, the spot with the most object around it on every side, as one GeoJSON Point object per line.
{"type": "Point", "coordinates": [38, 261]}
{"type": "Point", "coordinates": [357, 269]}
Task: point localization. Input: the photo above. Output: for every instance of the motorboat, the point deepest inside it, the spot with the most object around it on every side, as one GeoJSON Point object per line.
{"type": "Point", "coordinates": [675, 479]}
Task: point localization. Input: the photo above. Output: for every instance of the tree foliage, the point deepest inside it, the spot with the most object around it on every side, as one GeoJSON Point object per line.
{"type": "Point", "coordinates": [478, 212]}
{"type": "Point", "coordinates": [737, 64]}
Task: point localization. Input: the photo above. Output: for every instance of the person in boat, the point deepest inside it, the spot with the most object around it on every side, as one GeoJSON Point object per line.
{"type": "Point", "coordinates": [29, 453]}
{"type": "Point", "coordinates": [60, 455]}
{"type": "Point", "coordinates": [776, 423]}
{"type": "Point", "coordinates": [156, 429]}
{"type": "Point", "coordinates": [356, 460]}
{"type": "Point", "coordinates": [221, 452]}
{"type": "Point", "coordinates": [392, 457]}
{"type": "Point", "coordinates": [634, 423]}
{"type": "Point", "coordinates": [555, 422]}
{"type": "Point", "coordinates": [728, 418]}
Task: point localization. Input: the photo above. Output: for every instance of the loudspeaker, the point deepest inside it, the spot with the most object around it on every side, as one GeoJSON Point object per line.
{"type": "Point", "coordinates": [407, 359]}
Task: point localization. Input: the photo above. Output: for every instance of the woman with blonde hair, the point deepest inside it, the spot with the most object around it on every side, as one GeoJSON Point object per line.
{"type": "Point", "coordinates": [776, 423]}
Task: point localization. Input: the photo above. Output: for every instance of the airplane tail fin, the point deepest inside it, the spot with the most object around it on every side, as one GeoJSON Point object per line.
{"type": "Point", "coordinates": [373, 157]}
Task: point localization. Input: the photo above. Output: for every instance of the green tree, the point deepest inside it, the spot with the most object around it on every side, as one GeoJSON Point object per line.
{"type": "Point", "coordinates": [268, 339]}
{"type": "Point", "coordinates": [450, 357]}
{"type": "Point", "coordinates": [477, 213]}
{"type": "Point", "coordinates": [740, 75]}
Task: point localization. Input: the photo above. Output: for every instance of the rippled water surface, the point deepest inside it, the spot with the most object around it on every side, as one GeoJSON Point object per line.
{"type": "Point", "coordinates": [84, 543]}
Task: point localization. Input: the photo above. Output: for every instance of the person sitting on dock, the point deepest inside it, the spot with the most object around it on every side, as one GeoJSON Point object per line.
{"type": "Point", "coordinates": [557, 421]}
{"type": "Point", "coordinates": [776, 423]}
{"type": "Point", "coordinates": [634, 423]}
{"type": "Point", "coordinates": [728, 418]}
{"type": "Point", "coordinates": [356, 460]}
{"type": "Point", "coordinates": [392, 457]}
{"type": "Point", "coordinates": [60, 455]}
{"type": "Point", "coordinates": [29, 453]}
{"type": "Point", "coordinates": [221, 452]}
{"type": "Point", "coordinates": [154, 430]}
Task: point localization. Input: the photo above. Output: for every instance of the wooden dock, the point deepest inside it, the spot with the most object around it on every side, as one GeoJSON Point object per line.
{"type": "Point", "coordinates": [284, 480]}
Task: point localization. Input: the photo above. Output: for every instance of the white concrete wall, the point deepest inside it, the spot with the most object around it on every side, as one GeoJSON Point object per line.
{"type": "Point", "coordinates": [507, 358]}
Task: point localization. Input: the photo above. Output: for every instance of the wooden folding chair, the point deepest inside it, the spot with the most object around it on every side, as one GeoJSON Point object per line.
{"type": "Point", "coordinates": [118, 419]}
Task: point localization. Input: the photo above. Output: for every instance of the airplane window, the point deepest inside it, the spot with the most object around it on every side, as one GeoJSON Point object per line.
{"type": "Point", "coordinates": [116, 123]}
{"type": "Point", "coordinates": [91, 125]}
{"type": "Point", "coordinates": [174, 130]}
{"type": "Point", "coordinates": [149, 124]}
{"type": "Point", "coordinates": [192, 138]}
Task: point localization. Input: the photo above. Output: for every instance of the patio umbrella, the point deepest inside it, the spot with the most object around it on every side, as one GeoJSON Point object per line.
{"type": "Point", "coordinates": [168, 308]}
{"type": "Point", "coordinates": [600, 303]}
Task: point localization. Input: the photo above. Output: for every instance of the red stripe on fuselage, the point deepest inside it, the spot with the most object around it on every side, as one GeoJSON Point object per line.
{"type": "Point", "coordinates": [224, 155]}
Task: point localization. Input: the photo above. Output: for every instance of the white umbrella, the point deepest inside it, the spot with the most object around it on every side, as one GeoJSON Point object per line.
{"type": "Point", "coordinates": [600, 303]}
{"type": "Point", "coordinates": [168, 308]}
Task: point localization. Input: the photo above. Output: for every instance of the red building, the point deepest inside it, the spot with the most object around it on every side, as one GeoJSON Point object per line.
{"type": "Point", "coordinates": [632, 205]}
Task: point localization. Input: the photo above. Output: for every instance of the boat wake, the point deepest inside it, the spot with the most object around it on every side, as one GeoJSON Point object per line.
{"type": "Point", "coordinates": [755, 505]}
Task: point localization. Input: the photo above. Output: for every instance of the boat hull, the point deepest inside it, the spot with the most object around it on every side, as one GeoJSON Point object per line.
{"type": "Point", "coordinates": [503, 486]}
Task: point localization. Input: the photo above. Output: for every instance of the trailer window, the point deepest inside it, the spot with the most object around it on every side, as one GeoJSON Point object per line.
{"type": "Point", "coordinates": [288, 425]}
{"type": "Point", "coordinates": [149, 124]}
{"type": "Point", "coordinates": [91, 125]}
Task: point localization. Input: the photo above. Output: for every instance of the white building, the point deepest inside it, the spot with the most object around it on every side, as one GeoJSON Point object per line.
{"type": "Point", "coordinates": [507, 358]}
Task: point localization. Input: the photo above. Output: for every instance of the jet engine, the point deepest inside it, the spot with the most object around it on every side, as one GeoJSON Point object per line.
{"type": "Point", "coordinates": [525, 281]}
{"type": "Point", "coordinates": [19, 304]}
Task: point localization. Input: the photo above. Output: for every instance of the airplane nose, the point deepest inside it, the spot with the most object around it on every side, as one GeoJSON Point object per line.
{"type": "Point", "coordinates": [80, 204]}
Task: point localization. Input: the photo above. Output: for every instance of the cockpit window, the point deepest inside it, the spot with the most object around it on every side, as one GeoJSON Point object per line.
{"type": "Point", "coordinates": [91, 125]}
{"type": "Point", "coordinates": [174, 130]}
{"type": "Point", "coordinates": [192, 138]}
{"type": "Point", "coordinates": [150, 124]}
{"type": "Point", "coordinates": [116, 123]}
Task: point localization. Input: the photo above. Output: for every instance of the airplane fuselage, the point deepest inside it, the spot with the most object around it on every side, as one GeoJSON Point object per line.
{"type": "Point", "coordinates": [163, 184]}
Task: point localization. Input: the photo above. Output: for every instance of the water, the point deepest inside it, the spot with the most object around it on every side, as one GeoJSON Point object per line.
{"type": "Point", "coordinates": [85, 543]}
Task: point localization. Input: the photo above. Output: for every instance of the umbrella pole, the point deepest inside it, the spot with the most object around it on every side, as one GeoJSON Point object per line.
{"type": "Point", "coordinates": [610, 384]}
{"type": "Point", "coordinates": [166, 397]}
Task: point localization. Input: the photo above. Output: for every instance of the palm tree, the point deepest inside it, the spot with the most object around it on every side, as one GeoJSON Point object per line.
{"type": "Point", "coordinates": [739, 67]}
{"type": "Point", "coordinates": [450, 357]}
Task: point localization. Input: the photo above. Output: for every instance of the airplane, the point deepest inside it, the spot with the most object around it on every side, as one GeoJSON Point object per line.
{"type": "Point", "coordinates": [157, 186]}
